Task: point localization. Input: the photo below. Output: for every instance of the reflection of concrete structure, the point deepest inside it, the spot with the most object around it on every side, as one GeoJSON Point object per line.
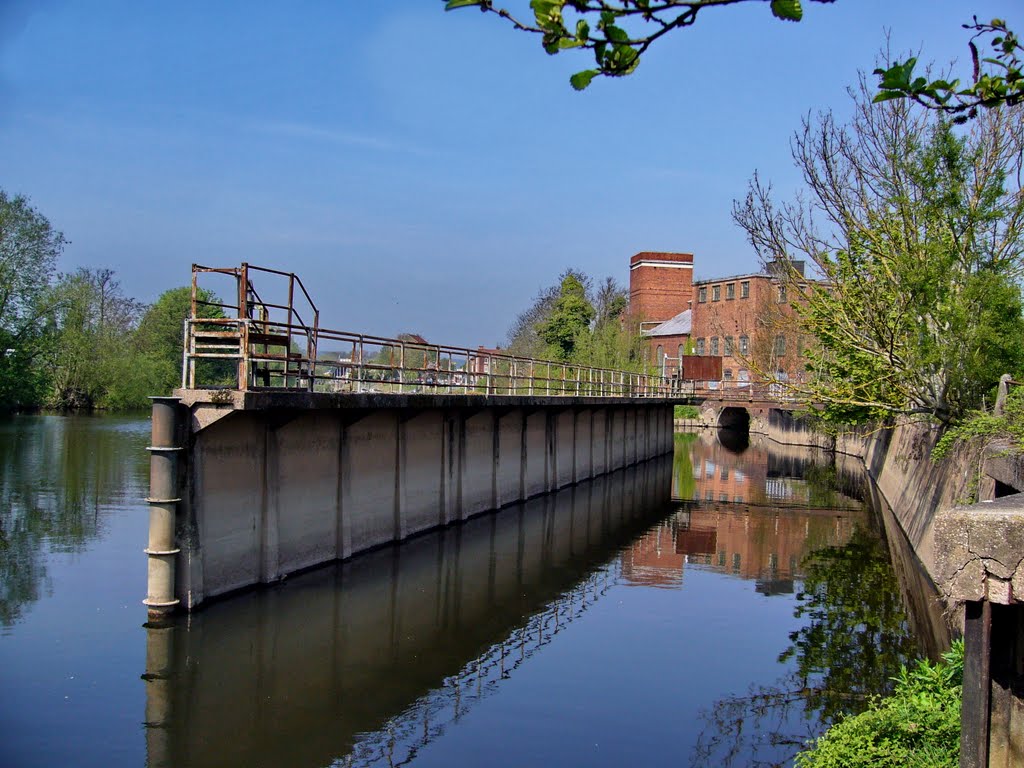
{"type": "Point", "coordinates": [368, 661]}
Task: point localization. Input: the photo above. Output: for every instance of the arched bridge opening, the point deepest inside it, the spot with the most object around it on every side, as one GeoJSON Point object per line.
{"type": "Point", "coordinates": [733, 417]}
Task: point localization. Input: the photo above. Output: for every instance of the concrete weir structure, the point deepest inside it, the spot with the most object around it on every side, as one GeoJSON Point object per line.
{"type": "Point", "coordinates": [274, 482]}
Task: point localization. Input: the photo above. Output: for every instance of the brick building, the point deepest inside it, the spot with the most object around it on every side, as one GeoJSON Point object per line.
{"type": "Point", "coordinates": [660, 286]}
{"type": "Point", "coordinates": [738, 328]}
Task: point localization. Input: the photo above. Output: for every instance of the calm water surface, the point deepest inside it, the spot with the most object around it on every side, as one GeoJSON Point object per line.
{"type": "Point", "coordinates": [717, 607]}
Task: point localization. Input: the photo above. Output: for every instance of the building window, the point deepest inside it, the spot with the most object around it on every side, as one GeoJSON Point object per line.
{"type": "Point", "coordinates": [714, 345]}
{"type": "Point", "coordinates": [745, 289]}
{"type": "Point", "coordinates": [723, 497]}
{"type": "Point", "coordinates": [700, 346]}
{"type": "Point", "coordinates": [728, 346]}
{"type": "Point", "coordinates": [782, 294]}
{"type": "Point", "coordinates": [744, 344]}
{"type": "Point", "coordinates": [660, 358]}
{"type": "Point", "coordinates": [728, 374]}
{"type": "Point", "coordinates": [780, 346]}
{"type": "Point", "coordinates": [724, 473]}
{"type": "Point", "coordinates": [716, 292]}
{"type": "Point", "coordinates": [744, 375]}
{"type": "Point", "coordinates": [730, 291]}
{"type": "Point", "coordinates": [682, 349]}
{"type": "Point", "coordinates": [702, 295]}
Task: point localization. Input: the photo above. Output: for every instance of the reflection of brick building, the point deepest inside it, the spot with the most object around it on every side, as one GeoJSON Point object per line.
{"type": "Point", "coordinates": [652, 560]}
{"type": "Point", "coordinates": [755, 542]}
{"type": "Point", "coordinates": [721, 475]}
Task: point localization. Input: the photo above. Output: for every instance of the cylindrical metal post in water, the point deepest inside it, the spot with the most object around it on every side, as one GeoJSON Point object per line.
{"type": "Point", "coordinates": [163, 503]}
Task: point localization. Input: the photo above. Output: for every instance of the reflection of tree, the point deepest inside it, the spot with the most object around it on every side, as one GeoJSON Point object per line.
{"type": "Point", "coordinates": [55, 473]}
{"type": "Point", "coordinates": [854, 640]}
{"type": "Point", "coordinates": [683, 482]}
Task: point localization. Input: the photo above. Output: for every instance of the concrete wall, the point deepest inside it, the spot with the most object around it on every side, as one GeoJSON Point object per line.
{"type": "Point", "coordinates": [268, 492]}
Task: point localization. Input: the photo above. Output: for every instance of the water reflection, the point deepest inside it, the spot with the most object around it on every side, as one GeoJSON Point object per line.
{"type": "Point", "coordinates": [56, 475]}
{"type": "Point", "coordinates": [368, 662]}
{"type": "Point", "coordinates": [793, 524]}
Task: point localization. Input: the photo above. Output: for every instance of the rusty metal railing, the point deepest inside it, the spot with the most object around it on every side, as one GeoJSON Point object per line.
{"type": "Point", "coordinates": [256, 342]}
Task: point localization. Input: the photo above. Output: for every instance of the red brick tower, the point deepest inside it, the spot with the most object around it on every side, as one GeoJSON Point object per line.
{"type": "Point", "coordinates": [660, 285]}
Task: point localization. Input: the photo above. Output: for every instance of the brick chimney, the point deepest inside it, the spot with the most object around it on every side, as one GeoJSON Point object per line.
{"type": "Point", "coordinates": [660, 285]}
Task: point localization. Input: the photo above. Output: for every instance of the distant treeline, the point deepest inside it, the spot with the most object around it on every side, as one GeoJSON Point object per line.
{"type": "Point", "coordinates": [75, 341]}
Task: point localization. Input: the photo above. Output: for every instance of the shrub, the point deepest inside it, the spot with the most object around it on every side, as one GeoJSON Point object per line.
{"type": "Point", "coordinates": [687, 412]}
{"type": "Point", "coordinates": [917, 727]}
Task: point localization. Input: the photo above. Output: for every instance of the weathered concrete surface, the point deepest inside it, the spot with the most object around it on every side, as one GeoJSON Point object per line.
{"type": "Point", "coordinates": [980, 550]}
{"type": "Point", "coordinates": [276, 482]}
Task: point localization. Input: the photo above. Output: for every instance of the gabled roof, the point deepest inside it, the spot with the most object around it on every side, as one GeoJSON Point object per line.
{"type": "Point", "coordinates": [679, 325]}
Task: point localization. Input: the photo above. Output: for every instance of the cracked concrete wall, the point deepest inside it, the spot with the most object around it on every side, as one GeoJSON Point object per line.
{"type": "Point", "coordinates": [980, 551]}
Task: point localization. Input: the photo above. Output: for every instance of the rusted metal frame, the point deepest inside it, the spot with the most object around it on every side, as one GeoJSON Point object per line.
{"type": "Point", "coordinates": [243, 313]}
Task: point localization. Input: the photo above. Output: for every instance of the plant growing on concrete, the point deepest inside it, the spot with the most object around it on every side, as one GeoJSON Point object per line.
{"type": "Point", "coordinates": [914, 228]}
{"type": "Point", "coordinates": [917, 727]}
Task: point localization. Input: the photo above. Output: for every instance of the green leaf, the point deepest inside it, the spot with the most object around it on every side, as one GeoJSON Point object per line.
{"type": "Point", "coordinates": [616, 34]}
{"type": "Point", "coordinates": [787, 10]}
{"type": "Point", "coordinates": [887, 96]}
{"type": "Point", "coordinates": [581, 80]}
{"type": "Point", "coordinates": [453, 4]}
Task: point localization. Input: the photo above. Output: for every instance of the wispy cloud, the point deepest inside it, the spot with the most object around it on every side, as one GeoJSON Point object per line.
{"type": "Point", "coordinates": [309, 132]}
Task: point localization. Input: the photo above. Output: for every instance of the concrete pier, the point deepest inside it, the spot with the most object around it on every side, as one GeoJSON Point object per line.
{"type": "Point", "coordinates": [276, 482]}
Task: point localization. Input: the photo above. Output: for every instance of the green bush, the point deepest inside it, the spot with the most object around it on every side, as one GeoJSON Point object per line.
{"type": "Point", "coordinates": [981, 427]}
{"type": "Point", "coordinates": [687, 412]}
{"type": "Point", "coordinates": [917, 727]}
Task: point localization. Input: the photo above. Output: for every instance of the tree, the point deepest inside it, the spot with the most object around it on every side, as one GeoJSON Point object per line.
{"type": "Point", "coordinates": [29, 248]}
{"type": "Point", "coordinates": [617, 31]}
{"type": "Point", "coordinates": [1001, 82]}
{"type": "Point", "coordinates": [93, 350]}
{"type": "Point", "coordinates": [570, 315]}
{"type": "Point", "coordinates": [524, 339]}
{"type": "Point", "coordinates": [916, 230]}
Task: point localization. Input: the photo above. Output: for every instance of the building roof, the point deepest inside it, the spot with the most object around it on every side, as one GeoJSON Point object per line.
{"type": "Point", "coordinates": [730, 278]}
{"type": "Point", "coordinates": [679, 325]}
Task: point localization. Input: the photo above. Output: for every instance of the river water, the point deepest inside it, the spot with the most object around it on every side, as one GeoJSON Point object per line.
{"type": "Point", "coordinates": [717, 607]}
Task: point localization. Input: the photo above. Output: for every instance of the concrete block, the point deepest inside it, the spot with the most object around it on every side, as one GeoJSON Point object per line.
{"type": "Point", "coordinates": [583, 468]}
{"type": "Point", "coordinates": [302, 491]}
{"type": "Point", "coordinates": [509, 461]}
{"type": "Point", "coordinates": [420, 471]}
{"type": "Point", "coordinates": [479, 464]}
{"type": "Point", "coordinates": [565, 447]}
{"type": "Point", "coordinates": [369, 478]}
{"type": "Point", "coordinates": [979, 551]}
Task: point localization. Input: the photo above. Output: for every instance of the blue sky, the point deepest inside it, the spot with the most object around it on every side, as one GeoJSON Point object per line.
{"type": "Point", "coordinates": [422, 171]}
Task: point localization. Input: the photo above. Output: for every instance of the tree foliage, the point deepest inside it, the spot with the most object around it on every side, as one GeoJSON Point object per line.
{"type": "Point", "coordinates": [29, 248]}
{"type": "Point", "coordinates": [996, 80]}
{"type": "Point", "coordinates": [574, 322]}
{"type": "Point", "coordinates": [92, 356]}
{"type": "Point", "coordinates": [571, 313]}
{"type": "Point", "coordinates": [617, 32]}
{"type": "Point", "coordinates": [914, 228]}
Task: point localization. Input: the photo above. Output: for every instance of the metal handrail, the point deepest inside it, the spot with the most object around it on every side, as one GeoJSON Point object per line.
{"type": "Point", "coordinates": [383, 364]}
